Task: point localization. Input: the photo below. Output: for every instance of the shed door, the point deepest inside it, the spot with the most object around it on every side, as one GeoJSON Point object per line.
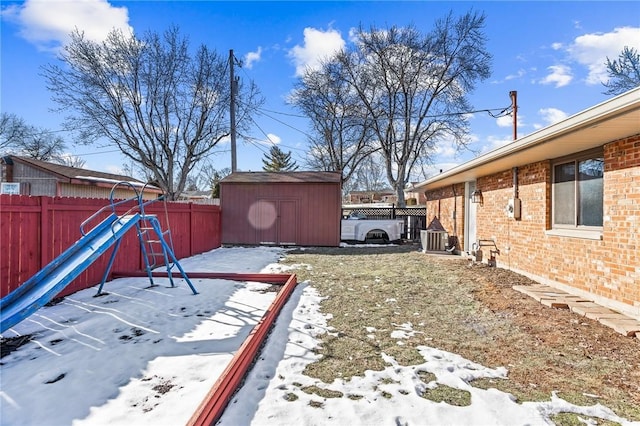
{"type": "Point", "coordinates": [288, 222]}
{"type": "Point", "coordinates": [280, 220]}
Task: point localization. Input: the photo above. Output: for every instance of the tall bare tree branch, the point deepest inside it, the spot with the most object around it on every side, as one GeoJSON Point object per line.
{"type": "Point", "coordinates": [624, 72]}
{"type": "Point", "coordinates": [19, 138]}
{"type": "Point", "coordinates": [341, 130]}
{"type": "Point", "coordinates": [164, 106]}
{"type": "Point", "coordinates": [395, 91]}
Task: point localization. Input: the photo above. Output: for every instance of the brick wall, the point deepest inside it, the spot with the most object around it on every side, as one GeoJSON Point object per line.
{"type": "Point", "coordinates": [441, 204]}
{"type": "Point", "coordinates": [607, 270]}
{"type": "Point", "coordinates": [621, 255]}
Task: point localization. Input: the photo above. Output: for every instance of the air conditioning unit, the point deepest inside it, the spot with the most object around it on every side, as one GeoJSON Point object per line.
{"type": "Point", "coordinates": [434, 240]}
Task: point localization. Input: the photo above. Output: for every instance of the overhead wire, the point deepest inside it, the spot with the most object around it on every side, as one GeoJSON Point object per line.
{"type": "Point", "coordinates": [268, 113]}
{"type": "Point", "coordinates": [259, 143]}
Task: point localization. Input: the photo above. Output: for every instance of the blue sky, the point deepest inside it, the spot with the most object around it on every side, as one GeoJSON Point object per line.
{"type": "Point", "coordinates": [551, 53]}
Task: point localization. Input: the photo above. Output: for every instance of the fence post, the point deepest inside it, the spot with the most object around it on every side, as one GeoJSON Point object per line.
{"type": "Point", "coordinates": [45, 232]}
{"type": "Point", "coordinates": [191, 228]}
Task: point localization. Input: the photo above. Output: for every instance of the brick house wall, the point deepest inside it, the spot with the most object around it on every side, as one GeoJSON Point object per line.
{"type": "Point", "coordinates": [447, 205]}
{"type": "Point", "coordinates": [606, 271]}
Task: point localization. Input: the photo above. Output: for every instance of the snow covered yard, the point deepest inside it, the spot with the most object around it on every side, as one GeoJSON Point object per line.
{"type": "Point", "coordinates": [149, 355]}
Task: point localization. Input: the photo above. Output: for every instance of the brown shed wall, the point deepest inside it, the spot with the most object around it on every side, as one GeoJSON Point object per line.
{"type": "Point", "coordinates": [282, 213]}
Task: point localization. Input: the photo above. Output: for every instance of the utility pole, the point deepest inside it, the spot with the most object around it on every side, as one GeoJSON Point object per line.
{"type": "Point", "coordinates": [232, 111]}
{"type": "Point", "coordinates": [514, 104]}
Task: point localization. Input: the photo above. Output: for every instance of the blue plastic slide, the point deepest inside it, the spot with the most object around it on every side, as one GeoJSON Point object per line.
{"type": "Point", "coordinates": [53, 278]}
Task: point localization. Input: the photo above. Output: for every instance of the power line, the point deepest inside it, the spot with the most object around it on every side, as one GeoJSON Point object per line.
{"type": "Point", "coordinates": [284, 113]}
{"type": "Point", "coordinates": [98, 153]}
{"type": "Point", "coordinates": [286, 124]}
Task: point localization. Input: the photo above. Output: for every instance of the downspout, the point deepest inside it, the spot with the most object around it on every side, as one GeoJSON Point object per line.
{"type": "Point", "coordinates": [455, 210]}
{"type": "Point", "coordinates": [514, 103]}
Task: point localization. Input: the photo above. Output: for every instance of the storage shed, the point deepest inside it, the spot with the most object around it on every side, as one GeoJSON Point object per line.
{"type": "Point", "coordinates": [281, 208]}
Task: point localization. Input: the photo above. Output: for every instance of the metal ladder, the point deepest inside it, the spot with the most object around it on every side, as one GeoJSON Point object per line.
{"type": "Point", "coordinates": [155, 247]}
{"type": "Point", "coordinates": [153, 243]}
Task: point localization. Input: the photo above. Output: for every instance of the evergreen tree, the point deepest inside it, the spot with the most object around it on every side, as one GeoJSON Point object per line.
{"type": "Point", "coordinates": [278, 161]}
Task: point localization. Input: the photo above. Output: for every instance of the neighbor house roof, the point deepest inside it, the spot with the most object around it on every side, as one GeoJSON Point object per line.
{"type": "Point", "coordinates": [75, 175]}
{"type": "Point", "coordinates": [613, 119]}
{"type": "Point", "coordinates": [283, 177]}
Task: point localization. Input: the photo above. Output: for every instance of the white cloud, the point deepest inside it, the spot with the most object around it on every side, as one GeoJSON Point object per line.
{"type": "Point", "coordinates": [519, 74]}
{"type": "Point", "coordinates": [48, 23]}
{"type": "Point", "coordinates": [434, 170]}
{"type": "Point", "coordinates": [271, 139]}
{"type": "Point", "coordinates": [507, 121]}
{"type": "Point", "coordinates": [560, 75]}
{"type": "Point", "coordinates": [504, 121]}
{"type": "Point", "coordinates": [550, 116]}
{"type": "Point", "coordinates": [318, 45]}
{"type": "Point", "coordinates": [556, 46]}
{"type": "Point", "coordinates": [353, 35]}
{"type": "Point", "coordinates": [252, 57]}
{"type": "Point", "coordinates": [494, 142]}
{"type": "Point", "coordinates": [592, 50]}
{"type": "Point", "coordinates": [116, 170]}
{"type": "Point", "coordinates": [445, 149]}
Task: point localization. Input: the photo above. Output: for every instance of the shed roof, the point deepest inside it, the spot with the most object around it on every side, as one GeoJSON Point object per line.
{"type": "Point", "coordinates": [78, 175]}
{"type": "Point", "coordinates": [283, 177]}
{"type": "Point", "coordinates": [611, 120]}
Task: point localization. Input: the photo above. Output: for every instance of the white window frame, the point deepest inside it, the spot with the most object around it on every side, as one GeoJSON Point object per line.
{"type": "Point", "coordinates": [574, 230]}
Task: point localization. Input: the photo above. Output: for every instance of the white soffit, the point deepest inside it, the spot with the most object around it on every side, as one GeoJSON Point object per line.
{"type": "Point", "coordinates": [614, 119]}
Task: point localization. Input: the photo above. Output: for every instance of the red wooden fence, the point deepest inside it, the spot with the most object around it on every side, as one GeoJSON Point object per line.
{"type": "Point", "coordinates": [35, 230]}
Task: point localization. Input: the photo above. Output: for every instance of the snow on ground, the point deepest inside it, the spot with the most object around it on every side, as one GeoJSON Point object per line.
{"type": "Point", "coordinates": [148, 356]}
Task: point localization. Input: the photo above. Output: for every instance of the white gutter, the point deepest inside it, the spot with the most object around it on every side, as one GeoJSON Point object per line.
{"type": "Point", "coordinates": [627, 103]}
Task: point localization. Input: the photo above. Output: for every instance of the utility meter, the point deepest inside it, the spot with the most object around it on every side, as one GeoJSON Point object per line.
{"type": "Point", "coordinates": [513, 208]}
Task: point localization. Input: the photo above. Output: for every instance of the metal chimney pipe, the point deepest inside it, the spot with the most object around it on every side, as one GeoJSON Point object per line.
{"type": "Point", "coordinates": [514, 104]}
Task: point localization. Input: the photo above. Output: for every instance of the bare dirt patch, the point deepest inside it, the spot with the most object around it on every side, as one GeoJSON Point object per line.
{"type": "Point", "coordinates": [469, 309]}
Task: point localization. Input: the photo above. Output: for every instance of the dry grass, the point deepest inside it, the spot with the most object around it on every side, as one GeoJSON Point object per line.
{"type": "Point", "coordinates": [467, 309]}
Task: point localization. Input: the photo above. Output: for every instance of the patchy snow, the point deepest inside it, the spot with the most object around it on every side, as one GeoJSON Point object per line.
{"type": "Point", "coordinates": [145, 355]}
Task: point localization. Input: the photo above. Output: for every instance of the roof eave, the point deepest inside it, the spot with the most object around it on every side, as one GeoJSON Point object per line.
{"type": "Point", "coordinates": [59, 177]}
{"type": "Point", "coordinates": [617, 118]}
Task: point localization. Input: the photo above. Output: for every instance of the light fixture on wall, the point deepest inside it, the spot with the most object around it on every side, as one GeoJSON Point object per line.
{"type": "Point", "coordinates": [476, 197]}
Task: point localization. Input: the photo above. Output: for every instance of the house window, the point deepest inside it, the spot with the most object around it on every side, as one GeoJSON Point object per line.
{"type": "Point", "coordinates": [577, 191]}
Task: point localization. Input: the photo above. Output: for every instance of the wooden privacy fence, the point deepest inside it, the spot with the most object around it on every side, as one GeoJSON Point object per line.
{"type": "Point", "coordinates": [35, 230]}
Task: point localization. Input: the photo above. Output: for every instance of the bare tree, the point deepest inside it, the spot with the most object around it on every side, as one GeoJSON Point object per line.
{"type": "Point", "coordinates": [341, 129]}
{"type": "Point", "coordinates": [71, 161]}
{"type": "Point", "coordinates": [20, 138]}
{"type": "Point", "coordinates": [136, 170]}
{"type": "Point", "coordinates": [12, 131]}
{"type": "Point", "coordinates": [43, 145]}
{"type": "Point", "coordinates": [411, 90]}
{"type": "Point", "coordinates": [396, 91]}
{"type": "Point", "coordinates": [208, 178]}
{"type": "Point", "coordinates": [624, 73]}
{"type": "Point", "coordinates": [371, 175]}
{"type": "Point", "coordinates": [162, 106]}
